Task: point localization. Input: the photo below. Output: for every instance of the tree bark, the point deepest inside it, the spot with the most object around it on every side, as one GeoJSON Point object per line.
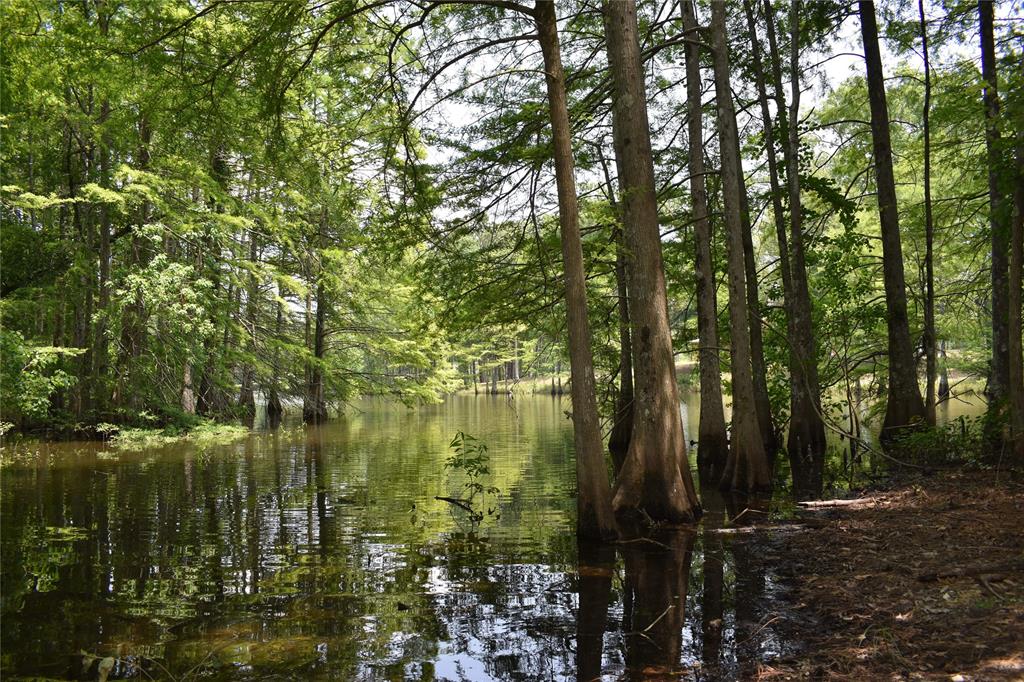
{"type": "Point", "coordinates": [712, 440]}
{"type": "Point", "coordinates": [594, 517]}
{"type": "Point", "coordinates": [999, 377]}
{"type": "Point", "coordinates": [904, 407]}
{"type": "Point", "coordinates": [655, 476]}
{"type": "Point", "coordinates": [747, 466]}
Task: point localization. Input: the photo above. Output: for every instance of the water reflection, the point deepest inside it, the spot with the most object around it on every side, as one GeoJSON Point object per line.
{"type": "Point", "coordinates": [321, 553]}
{"type": "Point", "coordinates": [656, 584]}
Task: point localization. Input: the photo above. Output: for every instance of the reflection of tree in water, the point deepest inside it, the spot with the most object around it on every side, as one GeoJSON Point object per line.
{"type": "Point", "coordinates": [596, 565]}
{"type": "Point", "coordinates": [657, 579]}
{"type": "Point", "coordinates": [713, 581]}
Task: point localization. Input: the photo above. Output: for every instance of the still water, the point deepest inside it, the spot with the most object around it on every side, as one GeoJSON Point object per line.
{"type": "Point", "coordinates": [322, 553]}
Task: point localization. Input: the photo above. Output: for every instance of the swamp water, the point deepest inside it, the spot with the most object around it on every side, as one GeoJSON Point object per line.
{"type": "Point", "coordinates": [321, 553]}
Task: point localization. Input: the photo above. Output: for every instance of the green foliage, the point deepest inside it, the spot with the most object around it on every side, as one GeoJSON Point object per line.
{"type": "Point", "coordinates": [955, 443]}
{"type": "Point", "coordinates": [30, 376]}
{"type": "Point", "coordinates": [470, 457]}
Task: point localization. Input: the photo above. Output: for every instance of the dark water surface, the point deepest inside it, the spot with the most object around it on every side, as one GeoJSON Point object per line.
{"type": "Point", "coordinates": [322, 553]}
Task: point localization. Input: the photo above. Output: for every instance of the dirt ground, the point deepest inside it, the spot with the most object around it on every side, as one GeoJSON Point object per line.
{"type": "Point", "coordinates": [921, 582]}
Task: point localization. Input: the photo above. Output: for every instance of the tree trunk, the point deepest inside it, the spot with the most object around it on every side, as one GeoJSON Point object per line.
{"type": "Point", "coordinates": [246, 396]}
{"type": "Point", "coordinates": [929, 232]}
{"type": "Point", "coordinates": [314, 408]}
{"type": "Point", "coordinates": [133, 328]}
{"type": "Point", "coordinates": [712, 439]}
{"type": "Point", "coordinates": [904, 407]}
{"type": "Point", "coordinates": [747, 466]}
{"type": "Point", "coordinates": [1016, 362]}
{"type": "Point", "coordinates": [999, 378]}
{"type": "Point", "coordinates": [759, 369]}
{"type": "Point", "coordinates": [594, 518]}
{"type": "Point", "coordinates": [274, 408]}
{"type": "Point", "coordinates": [188, 396]}
{"type": "Point", "coordinates": [622, 429]}
{"type": "Point", "coordinates": [806, 444]}
{"type": "Point", "coordinates": [655, 476]}
{"type": "Point", "coordinates": [943, 375]}
{"type": "Point", "coordinates": [101, 346]}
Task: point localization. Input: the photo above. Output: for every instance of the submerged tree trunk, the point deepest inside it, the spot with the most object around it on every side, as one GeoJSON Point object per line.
{"type": "Point", "coordinates": [999, 377]}
{"type": "Point", "coordinates": [904, 406]}
{"type": "Point", "coordinates": [806, 442]}
{"type": "Point", "coordinates": [594, 518]}
{"type": "Point", "coordinates": [655, 476]}
{"type": "Point", "coordinates": [747, 467]}
{"type": "Point", "coordinates": [712, 440]}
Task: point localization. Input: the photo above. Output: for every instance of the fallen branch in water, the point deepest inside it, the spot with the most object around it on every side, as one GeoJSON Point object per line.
{"type": "Point", "coordinates": [458, 503]}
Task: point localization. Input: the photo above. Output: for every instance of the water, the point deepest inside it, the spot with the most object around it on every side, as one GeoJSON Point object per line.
{"type": "Point", "coordinates": [321, 553]}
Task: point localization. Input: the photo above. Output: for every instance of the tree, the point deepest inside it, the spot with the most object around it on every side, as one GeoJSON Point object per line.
{"type": "Point", "coordinates": [747, 467]}
{"type": "Point", "coordinates": [999, 377]}
{"type": "Point", "coordinates": [655, 476]}
{"type": "Point", "coordinates": [594, 517]}
{"type": "Point", "coordinates": [806, 443]}
{"type": "Point", "coordinates": [712, 441]}
{"type": "Point", "coordinates": [904, 406]}
{"type": "Point", "coordinates": [929, 229]}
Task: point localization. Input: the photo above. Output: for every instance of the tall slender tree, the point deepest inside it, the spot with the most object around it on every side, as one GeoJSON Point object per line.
{"type": "Point", "coordinates": [999, 376]}
{"type": "Point", "coordinates": [806, 442]}
{"type": "Point", "coordinates": [594, 517]}
{"type": "Point", "coordinates": [747, 467]}
{"type": "Point", "coordinates": [712, 440]}
{"type": "Point", "coordinates": [904, 406]}
{"type": "Point", "coordinates": [1016, 294]}
{"type": "Point", "coordinates": [931, 363]}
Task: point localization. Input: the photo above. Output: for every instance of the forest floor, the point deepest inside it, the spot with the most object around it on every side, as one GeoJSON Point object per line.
{"type": "Point", "coordinates": [924, 581]}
